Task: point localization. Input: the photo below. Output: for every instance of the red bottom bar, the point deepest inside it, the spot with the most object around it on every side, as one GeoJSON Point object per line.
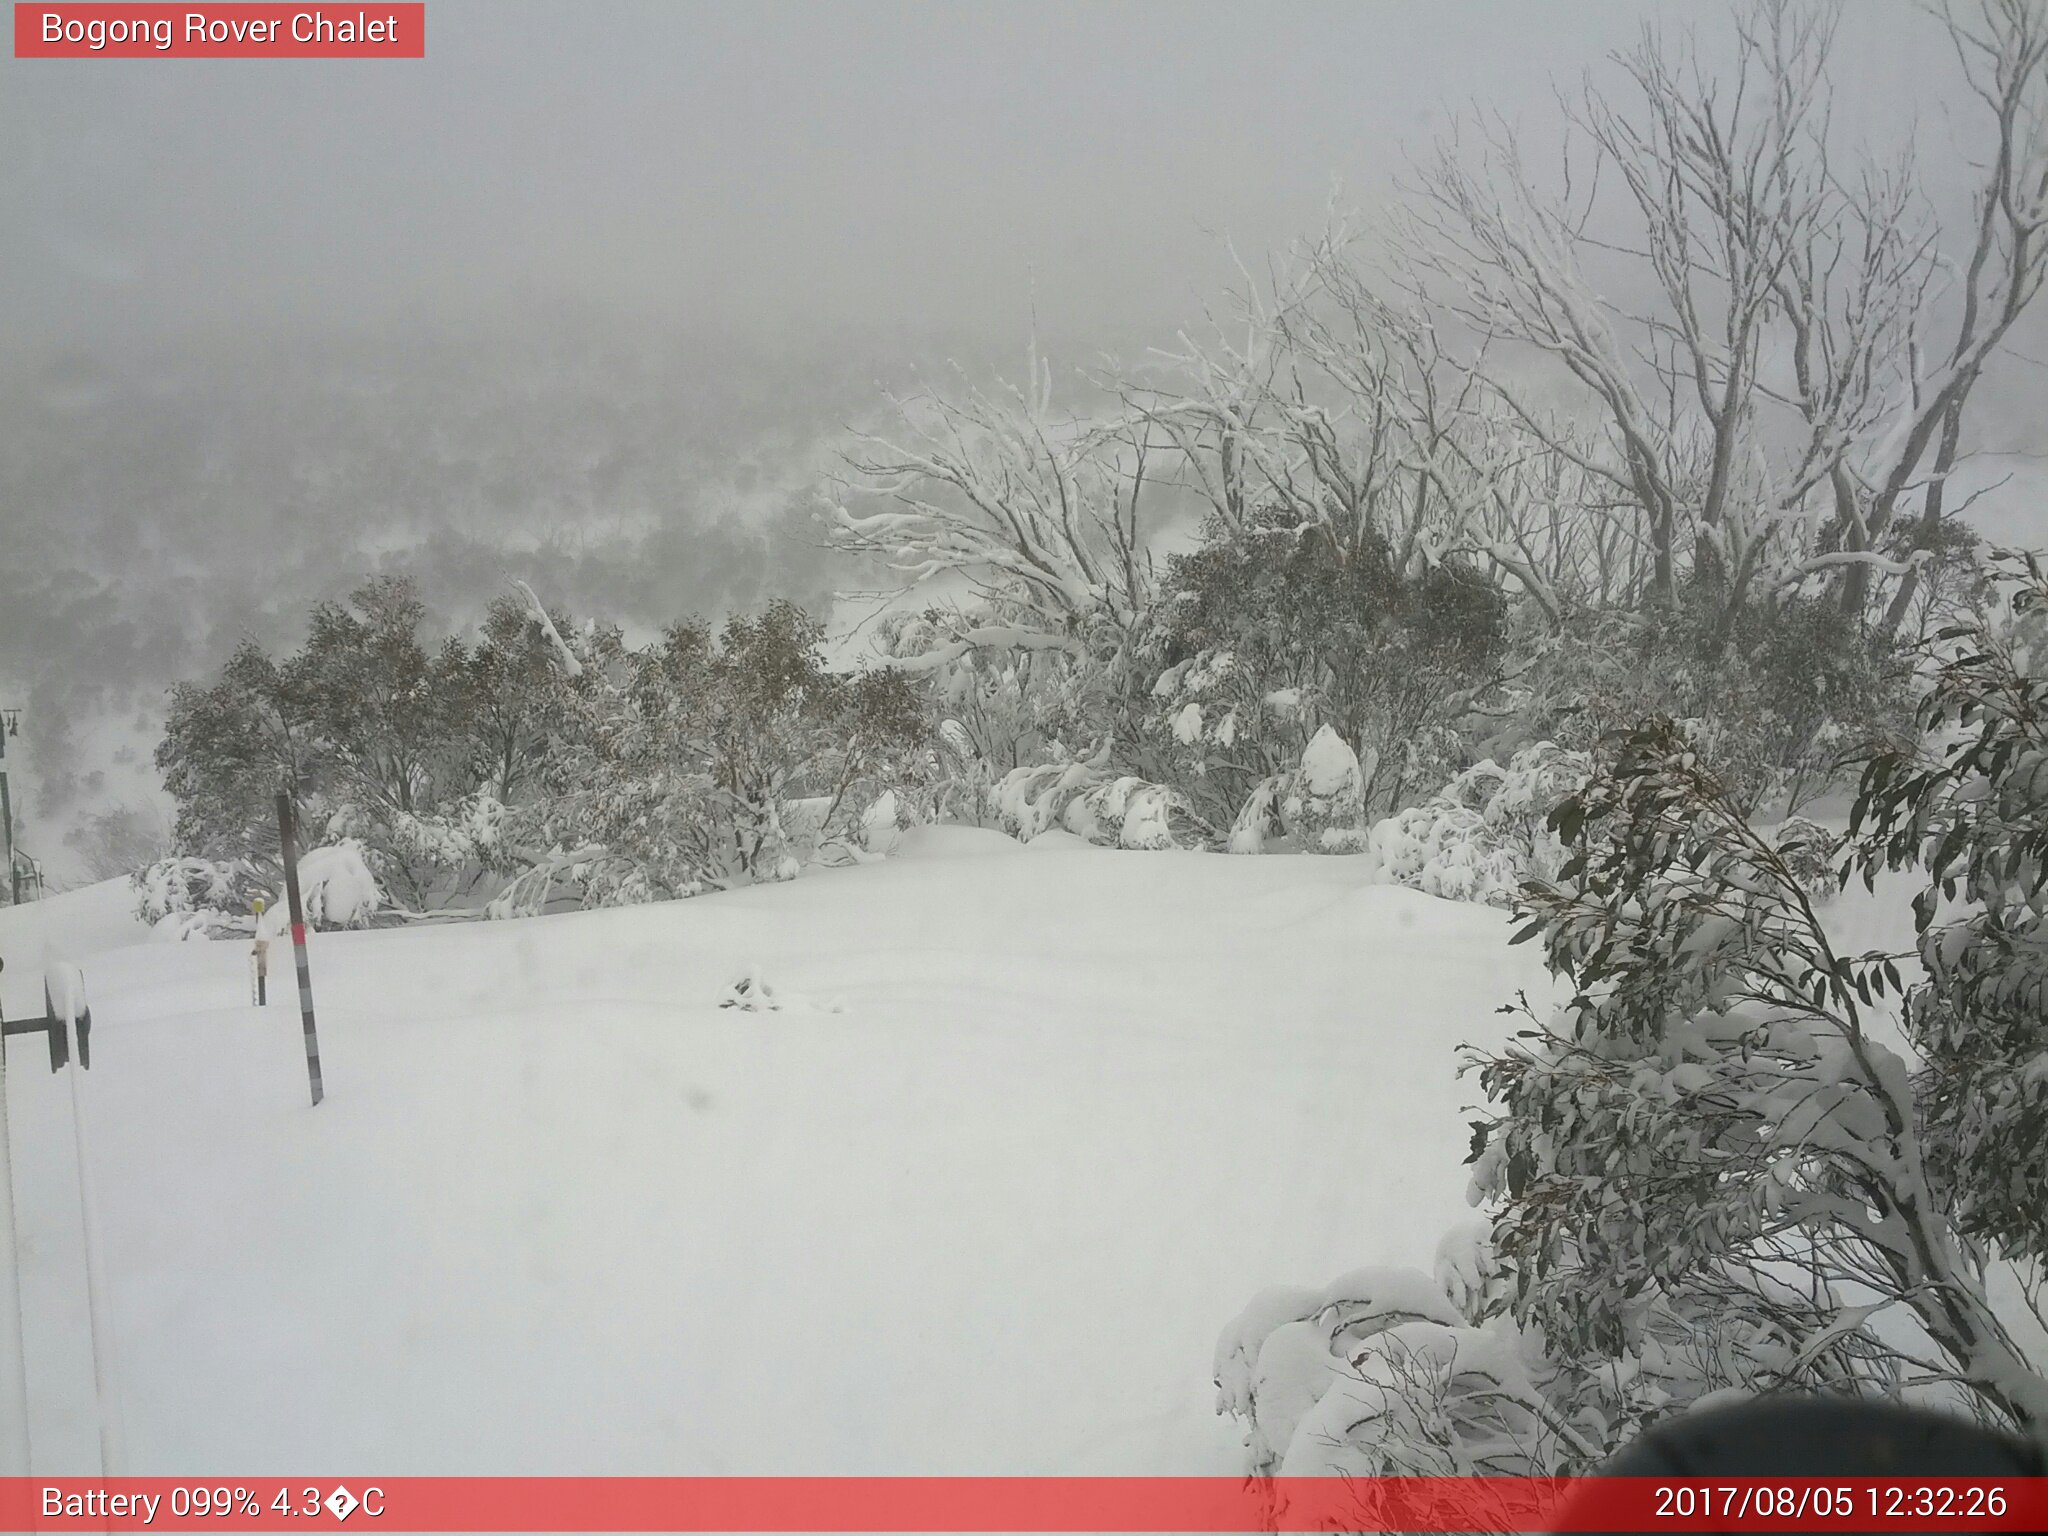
{"type": "Point", "coordinates": [989, 1504]}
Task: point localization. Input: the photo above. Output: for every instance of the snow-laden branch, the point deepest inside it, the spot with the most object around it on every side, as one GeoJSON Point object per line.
{"type": "Point", "coordinates": [570, 665]}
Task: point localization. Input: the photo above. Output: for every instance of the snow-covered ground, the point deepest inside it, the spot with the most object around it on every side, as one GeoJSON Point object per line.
{"type": "Point", "coordinates": [1053, 1115]}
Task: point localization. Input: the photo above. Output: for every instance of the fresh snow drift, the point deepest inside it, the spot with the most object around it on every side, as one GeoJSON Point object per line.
{"type": "Point", "coordinates": [563, 1213]}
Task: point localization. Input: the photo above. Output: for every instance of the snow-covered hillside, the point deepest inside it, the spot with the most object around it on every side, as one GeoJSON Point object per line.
{"type": "Point", "coordinates": [1037, 1122]}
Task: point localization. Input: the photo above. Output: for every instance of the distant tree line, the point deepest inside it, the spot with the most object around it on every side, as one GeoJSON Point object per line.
{"type": "Point", "coordinates": [537, 763]}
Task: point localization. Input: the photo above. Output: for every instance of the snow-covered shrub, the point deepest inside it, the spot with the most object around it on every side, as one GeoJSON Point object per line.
{"type": "Point", "coordinates": [1378, 1374]}
{"type": "Point", "coordinates": [1711, 1114]}
{"type": "Point", "coordinates": [1779, 698]}
{"type": "Point", "coordinates": [1486, 832]}
{"type": "Point", "coordinates": [698, 763]}
{"type": "Point", "coordinates": [182, 897]}
{"type": "Point", "coordinates": [1323, 804]}
{"type": "Point", "coordinates": [543, 762]}
{"type": "Point", "coordinates": [1029, 800]}
{"type": "Point", "coordinates": [1080, 796]}
{"type": "Point", "coordinates": [1388, 1372]}
{"type": "Point", "coordinates": [189, 898]}
{"type": "Point", "coordinates": [1270, 633]}
{"type": "Point", "coordinates": [1281, 1354]}
{"type": "Point", "coordinates": [1000, 704]}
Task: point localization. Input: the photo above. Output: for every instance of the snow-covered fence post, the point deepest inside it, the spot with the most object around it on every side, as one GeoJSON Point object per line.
{"type": "Point", "coordinates": [291, 891]}
{"type": "Point", "coordinates": [70, 1017]}
{"type": "Point", "coordinates": [13, 1340]}
{"type": "Point", "coordinates": [261, 957]}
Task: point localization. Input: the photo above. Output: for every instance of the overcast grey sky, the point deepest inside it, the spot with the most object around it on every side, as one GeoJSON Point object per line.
{"type": "Point", "coordinates": [768, 166]}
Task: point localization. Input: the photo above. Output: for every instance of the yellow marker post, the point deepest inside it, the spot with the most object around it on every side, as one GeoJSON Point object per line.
{"type": "Point", "coordinates": [262, 956]}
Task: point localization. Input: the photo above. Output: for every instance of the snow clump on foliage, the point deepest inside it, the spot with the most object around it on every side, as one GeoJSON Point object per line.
{"type": "Point", "coordinates": [337, 887]}
{"type": "Point", "coordinates": [1320, 803]}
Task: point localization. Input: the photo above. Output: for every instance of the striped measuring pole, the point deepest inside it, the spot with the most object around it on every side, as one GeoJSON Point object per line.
{"type": "Point", "coordinates": [291, 891]}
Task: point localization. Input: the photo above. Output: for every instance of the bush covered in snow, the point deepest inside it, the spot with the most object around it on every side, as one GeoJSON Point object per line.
{"type": "Point", "coordinates": [1379, 1374]}
{"type": "Point", "coordinates": [189, 898]}
{"type": "Point", "coordinates": [1393, 1373]}
{"type": "Point", "coordinates": [705, 761]}
{"type": "Point", "coordinates": [183, 897]}
{"type": "Point", "coordinates": [1276, 630]}
{"type": "Point", "coordinates": [1486, 832]}
{"type": "Point", "coordinates": [1318, 806]}
{"type": "Point", "coordinates": [1780, 698]}
{"type": "Point", "coordinates": [1000, 704]}
{"type": "Point", "coordinates": [336, 886]}
{"type": "Point", "coordinates": [1712, 1110]}
{"type": "Point", "coordinates": [1079, 795]}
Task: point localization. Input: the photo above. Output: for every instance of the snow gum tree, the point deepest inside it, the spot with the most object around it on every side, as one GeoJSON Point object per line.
{"type": "Point", "coordinates": [1041, 523]}
{"type": "Point", "coordinates": [1974, 816]}
{"type": "Point", "coordinates": [1724, 1108]}
{"type": "Point", "coordinates": [1775, 341]}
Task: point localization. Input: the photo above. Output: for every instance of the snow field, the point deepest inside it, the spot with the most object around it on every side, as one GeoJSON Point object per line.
{"type": "Point", "coordinates": [563, 1213]}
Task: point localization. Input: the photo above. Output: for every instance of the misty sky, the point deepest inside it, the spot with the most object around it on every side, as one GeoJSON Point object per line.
{"type": "Point", "coordinates": [768, 166]}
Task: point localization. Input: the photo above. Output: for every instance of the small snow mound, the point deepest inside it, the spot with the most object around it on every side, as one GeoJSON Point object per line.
{"type": "Point", "coordinates": [1329, 768]}
{"type": "Point", "coordinates": [752, 994]}
{"type": "Point", "coordinates": [1057, 840]}
{"type": "Point", "coordinates": [337, 887]}
{"type": "Point", "coordinates": [1147, 818]}
{"type": "Point", "coordinates": [177, 927]}
{"type": "Point", "coordinates": [881, 826]}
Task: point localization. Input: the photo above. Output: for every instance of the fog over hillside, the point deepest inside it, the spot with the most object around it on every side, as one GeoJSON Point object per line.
{"type": "Point", "coordinates": [165, 500]}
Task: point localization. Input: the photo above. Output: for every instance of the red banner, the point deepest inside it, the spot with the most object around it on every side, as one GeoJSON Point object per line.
{"type": "Point", "coordinates": [1063, 1504]}
{"type": "Point", "coordinates": [99, 31]}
